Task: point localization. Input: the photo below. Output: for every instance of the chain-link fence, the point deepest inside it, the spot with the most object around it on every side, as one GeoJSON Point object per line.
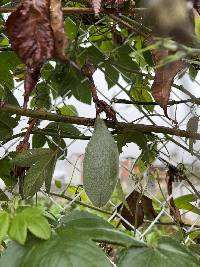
{"type": "Point", "coordinates": [67, 190]}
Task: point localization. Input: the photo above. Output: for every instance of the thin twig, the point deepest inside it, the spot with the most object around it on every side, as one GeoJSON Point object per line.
{"type": "Point", "coordinates": [81, 203]}
{"type": "Point", "coordinates": [143, 103]}
{"type": "Point", "coordinates": [128, 25]}
{"type": "Point", "coordinates": [83, 10]}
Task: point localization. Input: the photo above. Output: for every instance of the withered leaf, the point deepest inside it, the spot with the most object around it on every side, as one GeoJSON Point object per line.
{"type": "Point", "coordinates": [164, 77]}
{"type": "Point", "coordinates": [31, 37]}
{"type": "Point", "coordinates": [136, 216]}
{"type": "Point", "coordinates": [171, 174]}
{"type": "Point", "coordinates": [139, 205]}
{"type": "Point", "coordinates": [60, 38]}
{"type": "Point", "coordinates": [30, 32]}
{"type": "Point", "coordinates": [148, 208]}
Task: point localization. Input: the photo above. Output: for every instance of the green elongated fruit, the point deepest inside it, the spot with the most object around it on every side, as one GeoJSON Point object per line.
{"type": "Point", "coordinates": [100, 165]}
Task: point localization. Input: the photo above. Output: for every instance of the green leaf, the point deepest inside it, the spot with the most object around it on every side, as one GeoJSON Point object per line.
{"type": "Point", "coordinates": [8, 96]}
{"type": "Point", "coordinates": [84, 226]}
{"type": "Point", "coordinates": [62, 128]}
{"type": "Point", "coordinates": [7, 124]}
{"type": "Point", "coordinates": [134, 137]}
{"type": "Point", "coordinates": [197, 26]}
{"type": "Point", "coordinates": [100, 165]}
{"type": "Point", "coordinates": [94, 55]}
{"type": "Point", "coordinates": [38, 140]}
{"type": "Point", "coordinates": [167, 253]}
{"type": "Point", "coordinates": [185, 199]}
{"type": "Point", "coordinates": [72, 246]}
{"type": "Point", "coordinates": [4, 224]}
{"type": "Point", "coordinates": [192, 72]}
{"type": "Point", "coordinates": [61, 252]}
{"type": "Point", "coordinates": [18, 229]}
{"type": "Point", "coordinates": [13, 255]}
{"type": "Point", "coordinates": [124, 60]}
{"type": "Point", "coordinates": [36, 223]}
{"type": "Point", "coordinates": [42, 163]}
{"type": "Point", "coordinates": [70, 28]}
{"type": "Point", "coordinates": [82, 91]}
{"type": "Point", "coordinates": [28, 157]}
{"type": "Point", "coordinates": [67, 80]}
{"type": "Point", "coordinates": [42, 97]}
{"type": "Point", "coordinates": [183, 202]}
{"type": "Point", "coordinates": [111, 74]}
{"type": "Point", "coordinates": [68, 110]}
{"type": "Point", "coordinates": [3, 196]}
{"type": "Point", "coordinates": [39, 173]}
{"type": "Point", "coordinates": [58, 184]}
{"type": "Point", "coordinates": [5, 170]}
{"type": "Point", "coordinates": [8, 63]}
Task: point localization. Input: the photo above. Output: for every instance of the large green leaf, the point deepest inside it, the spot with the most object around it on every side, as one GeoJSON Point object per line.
{"type": "Point", "coordinates": [13, 255]}
{"type": "Point", "coordinates": [73, 246]}
{"type": "Point", "coordinates": [167, 253]}
{"type": "Point", "coordinates": [84, 225]}
{"type": "Point", "coordinates": [100, 165]}
{"type": "Point", "coordinates": [61, 252]}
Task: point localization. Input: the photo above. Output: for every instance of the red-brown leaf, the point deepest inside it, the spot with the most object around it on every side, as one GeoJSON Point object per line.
{"type": "Point", "coordinates": [30, 32]}
{"type": "Point", "coordinates": [60, 38]}
{"type": "Point", "coordinates": [174, 211]}
{"type": "Point", "coordinates": [31, 37]}
{"type": "Point", "coordinates": [136, 216]}
{"type": "Point", "coordinates": [139, 205]}
{"type": "Point", "coordinates": [164, 77]}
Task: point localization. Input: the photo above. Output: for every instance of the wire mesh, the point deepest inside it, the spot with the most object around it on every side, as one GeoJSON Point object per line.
{"type": "Point", "coordinates": [171, 151]}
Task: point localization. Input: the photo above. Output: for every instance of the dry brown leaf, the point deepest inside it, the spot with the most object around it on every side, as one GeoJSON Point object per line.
{"type": "Point", "coordinates": [139, 205]}
{"type": "Point", "coordinates": [164, 77]}
{"type": "Point", "coordinates": [136, 216]}
{"type": "Point", "coordinates": [57, 24]}
{"type": "Point", "coordinates": [30, 32]}
{"type": "Point", "coordinates": [36, 36]}
{"type": "Point", "coordinates": [148, 208]}
{"type": "Point", "coordinates": [31, 37]}
{"type": "Point", "coordinates": [174, 211]}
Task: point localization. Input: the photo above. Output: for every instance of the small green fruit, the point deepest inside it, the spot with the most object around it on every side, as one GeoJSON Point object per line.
{"type": "Point", "coordinates": [100, 165]}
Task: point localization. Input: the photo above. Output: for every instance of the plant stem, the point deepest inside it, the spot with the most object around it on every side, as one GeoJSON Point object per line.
{"type": "Point", "coordinates": [120, 127]}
